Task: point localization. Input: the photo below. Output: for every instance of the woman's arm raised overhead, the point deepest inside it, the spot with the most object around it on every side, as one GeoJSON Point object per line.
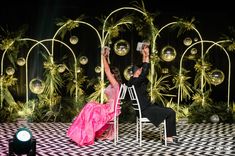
{"type": "Point", "coordinates": [107, 70]}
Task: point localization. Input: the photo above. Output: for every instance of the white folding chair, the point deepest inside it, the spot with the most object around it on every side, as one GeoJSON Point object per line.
{"type": "Point", "coordinates": [118, 103]}
{"type": "Point", "coordinates": [140, 120]}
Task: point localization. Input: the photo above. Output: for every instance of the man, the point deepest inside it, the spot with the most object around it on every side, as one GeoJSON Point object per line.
{"type": "Point", "coordinates": [155, 113]}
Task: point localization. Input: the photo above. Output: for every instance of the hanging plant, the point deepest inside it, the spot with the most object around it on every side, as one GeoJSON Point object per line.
{"type": "Point", "coordinates": [183, 25]}
{"type": "Point", "coordinates": [181, 81]}
{"type": "Point", "coordinates": [160, 89]}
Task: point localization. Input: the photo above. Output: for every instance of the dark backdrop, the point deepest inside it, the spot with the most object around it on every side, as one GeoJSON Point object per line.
{"type": "Point", "coordinates": [213, 18]}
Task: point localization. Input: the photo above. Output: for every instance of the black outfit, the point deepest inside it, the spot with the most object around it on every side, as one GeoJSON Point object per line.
{"type": "Point", "coordinates": [155, 113]}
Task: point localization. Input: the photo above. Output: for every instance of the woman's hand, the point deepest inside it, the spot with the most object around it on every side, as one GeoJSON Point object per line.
{"type": "Point", "coordinates": [145, 51]}
{"type": "Point", "coordinates": [106, 52]}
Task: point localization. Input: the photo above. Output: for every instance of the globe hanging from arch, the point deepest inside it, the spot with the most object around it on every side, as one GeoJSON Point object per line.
{"type": "Point", "coordinates": [36, 86]}
{"type": "Point", "coordinates": [83, 60]}
{"type": "Point", "coordinates": [187, 41]}
{"type": "Point", "coordinates": [168, 53]}
{"type": "Point", "coordinates": [165, 70]}
{"type": "Point", "coordinates": [79, 70]}
{"type": "Point", "coordinates": [10, 71]}
{"type": "Point", "coordinates": [121, 47]}
{"type": "Point", "coordinates": [61, 68]}
{"type": "Point", "coordinates": [73, 39]}
{"type": "Point", "coordinates": [97, 69]}
{"type": "Point", "coordinates": [20, 61]}
{"type": "Point", "coordinates": [127, 73]}
{"type": "Point", "coordinates": [193, 51]}
{"type": "Point", "coordinates": [216, 77]}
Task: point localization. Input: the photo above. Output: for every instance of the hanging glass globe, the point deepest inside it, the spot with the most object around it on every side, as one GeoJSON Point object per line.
{"type": "Point", "coordinates": [127, 73]}
{"type": "Point", "coordinates": [20, 61]}
{"type": "Point", "coordinates": [188, 41]}
{"type": "Point", "coordinates": [79, 69]}
{"type": "Point", "coordinates": [165, 70]}
{"type": "Point", "coordinates": [168, 53]}
{"type": "Point", "coordinates": [83, 60]}
{"type": "Point", "coordinates": [36, 86]}
{"type": "Point", "coordinates": [216, 77]}
{"type": "Point", "coordinates": [10, 70]}
{"type": "Point", "coordinates": [191, 57]}
{"type": "Point", "coordinates": [193, 51]}
{"type": "Point", "coordinates": [73, 39]}
{"type": "Point", "coordinates": [61, 68]}
{"type": "Point", "coordinates": [195, 39]}
{"type": "Point", "coordinates": [121, 47]}
{"type": "Point", "coordinates": [214, 118]}
{"type": "Point", "coordinates": [97, 69]}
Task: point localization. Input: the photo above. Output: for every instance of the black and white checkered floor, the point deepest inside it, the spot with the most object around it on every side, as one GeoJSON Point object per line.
{"type": "Point", "coordinates": [196, 139]}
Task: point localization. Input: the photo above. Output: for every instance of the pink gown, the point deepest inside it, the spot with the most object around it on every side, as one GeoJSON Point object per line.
{"type": "Point", "coordinates": [92, 121]}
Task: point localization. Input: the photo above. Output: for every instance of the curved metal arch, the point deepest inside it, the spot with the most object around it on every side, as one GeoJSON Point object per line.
{"type": "Point", "coordinates": [213, 44]}
{"type": "Point", "coordinates": [154, 46]}
{"type": "Point", "coordinates": [41, 42]}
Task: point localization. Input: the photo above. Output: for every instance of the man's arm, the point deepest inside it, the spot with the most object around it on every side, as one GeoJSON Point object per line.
{"type": "Point", "coordinates": [145, 66]}
{"type": "Point", "coordinates": [145, 53]}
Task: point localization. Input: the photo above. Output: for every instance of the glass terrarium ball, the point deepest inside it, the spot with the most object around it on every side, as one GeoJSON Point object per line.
{"type": "Point", "coordinates": [36, 86]}
{"type": "Point", "coordinates": [73, 39]}
{"type": "Point", "coordinates": [193, 51]}
{"type": "Point", "coordinates": [168, 53]}
{"type": "Point", "coordinates": [20, 61]}
{"type": "Point", "coordinates": [10, 70]}
{"type": "Point", "coordinates": [216, 77]}
{"type": "Point", "coordinates": [79, 69]}
{"type": "Point", "coordinates": [83, 60]}
{"type": "Point", "coordinates": [127, 73]}
{"type": "Point", "coordinates": [97, 69]}
{"type": "Point", "coordinates": [214, 118]}
{"type": "Point", "coordinates": [61, 68]}
{"type": "Point", "coordinates": [188, 41]}
{"type": "Point", "coordinates": [121, 47]}
{"type": "Point", "coordinates": [165, 70]}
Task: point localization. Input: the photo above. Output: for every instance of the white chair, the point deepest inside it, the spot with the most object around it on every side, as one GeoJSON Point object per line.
{"type": "Point", "coordinates": [140, 120]}
{"type": "Point", "coordinates": [118, 103]}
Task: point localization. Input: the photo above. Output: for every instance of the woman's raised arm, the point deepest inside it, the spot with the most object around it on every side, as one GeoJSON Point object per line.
{"type": "Point", "coordinates": [107, 70]}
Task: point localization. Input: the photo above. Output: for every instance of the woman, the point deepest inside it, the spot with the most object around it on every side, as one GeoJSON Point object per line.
{"type": "Point", "coordinates": [92, 121]}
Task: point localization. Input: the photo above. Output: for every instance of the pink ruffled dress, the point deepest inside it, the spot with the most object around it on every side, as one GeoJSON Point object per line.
{"type": "Point", "coordinates": [92, 121]}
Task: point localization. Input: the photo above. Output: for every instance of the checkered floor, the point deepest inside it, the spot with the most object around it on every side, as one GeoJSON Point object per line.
{"type": "Point", "coordinates": [196, 139]}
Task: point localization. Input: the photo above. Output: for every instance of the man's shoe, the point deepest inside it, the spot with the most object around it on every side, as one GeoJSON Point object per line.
{"type": "Point", "coordinates": [174, 142]}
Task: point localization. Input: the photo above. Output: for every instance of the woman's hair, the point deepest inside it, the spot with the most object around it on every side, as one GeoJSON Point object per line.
{"type": "Point", "coordinates": [116, 72]}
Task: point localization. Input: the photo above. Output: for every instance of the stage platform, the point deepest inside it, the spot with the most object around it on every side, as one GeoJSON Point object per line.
{"type": "Point", "coordinates": [196, 139]}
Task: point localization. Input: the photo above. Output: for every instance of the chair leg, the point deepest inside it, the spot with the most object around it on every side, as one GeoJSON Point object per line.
{"type": "Point", "coordinates": [117, 129]}
{"type": "Point", "coordinates": [137, 129]}
{"type": "Point", "coordinates": [165, 135]}
{"type": "Point", "coordinates": [140, 133]}
{"type": "Point", "coordinates": [160, 131]}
